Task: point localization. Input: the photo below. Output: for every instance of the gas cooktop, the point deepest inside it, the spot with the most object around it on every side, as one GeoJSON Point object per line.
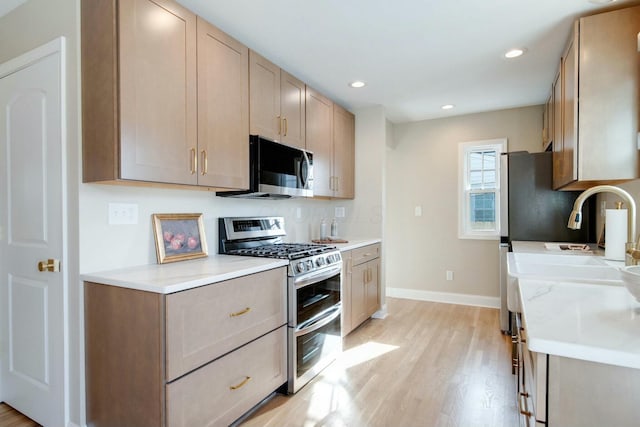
{"type": "Point", "coordinates": [283, 250]}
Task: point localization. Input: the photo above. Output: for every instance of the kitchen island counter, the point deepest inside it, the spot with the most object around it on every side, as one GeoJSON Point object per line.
{"type": "Point", "coordinates": [596, 323]}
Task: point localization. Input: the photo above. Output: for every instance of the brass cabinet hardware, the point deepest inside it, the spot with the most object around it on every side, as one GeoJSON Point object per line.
{"type": "Point", "coordinates": [279, 125]}
{"type": "Point", "coordinates": [521, 406]}
{"type": "Point", "coordinates": [241, 312]}
{"type": "Point", "coordinates": [49, 265]}
{"type": "Point", "coordinates": [194, 161]}
{"type": "Point", "coordinates": [286, 126]}
{"type": "Point", "coordinates": [245, 381]}
{"type": "Point", "coordinates": [205, 163]}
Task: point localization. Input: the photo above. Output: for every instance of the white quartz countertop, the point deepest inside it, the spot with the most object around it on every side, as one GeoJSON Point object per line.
{"type": "Point", "coordinates": [355, 244]}
{"type": "Point", "coordinates": [597, 323]}
{"type": "Point", "coordinates": [180, 276]}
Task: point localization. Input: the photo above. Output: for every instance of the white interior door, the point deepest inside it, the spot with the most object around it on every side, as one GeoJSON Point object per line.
{"type": "Point", "coordinates": [32, 303]}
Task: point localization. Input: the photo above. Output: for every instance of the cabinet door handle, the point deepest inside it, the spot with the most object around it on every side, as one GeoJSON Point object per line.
{"type": "Point", "coordinates": [279, 125]}
{"type": "Point", "coordinates": [337, 183]}
{"type": "Point", "coordinates": [205, 162]}
{"type": "Point", "coordinates": [242, 384]}
{"type": "Point", "coordinates": [286, 126]}
{"type": "Point", "coordinates": [241, 312]}
{"type": "Point", "coordinates": [521, 406]}
{"type": "Point", "coordinates": [194, 161]}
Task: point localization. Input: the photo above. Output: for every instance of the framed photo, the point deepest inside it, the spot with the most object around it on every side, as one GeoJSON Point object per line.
{"type": "Point", "coordinates": [179, 237]}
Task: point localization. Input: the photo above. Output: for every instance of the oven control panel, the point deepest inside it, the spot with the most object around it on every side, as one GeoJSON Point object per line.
{"type": "Point", "coordinates": [314, 263]}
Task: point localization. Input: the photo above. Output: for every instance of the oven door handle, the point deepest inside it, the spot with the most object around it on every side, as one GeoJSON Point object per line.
{"type": "Point", "coordinates": [318, 277]}
{"type": "Point", "coordinates": [322, 319]}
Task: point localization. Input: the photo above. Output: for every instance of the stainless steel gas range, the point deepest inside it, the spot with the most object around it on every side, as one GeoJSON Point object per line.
{"type": "Point", "coordinates": [313, 289]}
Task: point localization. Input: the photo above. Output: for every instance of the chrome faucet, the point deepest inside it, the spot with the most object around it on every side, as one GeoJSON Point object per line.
{"type": "Point", "coordinates": [632, 249]}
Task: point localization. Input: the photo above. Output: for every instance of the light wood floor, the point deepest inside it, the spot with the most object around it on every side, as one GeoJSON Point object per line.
{"type": "Point", "coordinates": [9, 417]}
{"type": "Point", "coordinates": [426, 364]}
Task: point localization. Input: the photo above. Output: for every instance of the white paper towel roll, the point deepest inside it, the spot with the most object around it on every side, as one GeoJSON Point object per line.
{"type": "Point", "coordinates": [615, 234]}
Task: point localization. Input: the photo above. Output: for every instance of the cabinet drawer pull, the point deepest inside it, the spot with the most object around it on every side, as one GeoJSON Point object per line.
{"type": "Point", "coordinates": [286, 126]}
{"type": "Point", "coordinates": [279, 125]}
{"type": "Point", "coordinates": [241, 312]}
{"type": "Point", "coordinates": [245, 381]}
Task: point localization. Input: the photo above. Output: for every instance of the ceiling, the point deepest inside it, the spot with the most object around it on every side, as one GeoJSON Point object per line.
{"type": "Point", "coordinates": [414, 55]}
{"type": "Point", "coordinates": [7, 6]}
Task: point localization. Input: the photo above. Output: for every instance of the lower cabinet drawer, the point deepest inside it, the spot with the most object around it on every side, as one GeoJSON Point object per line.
{"type": "Point", "coordinates": [222, 391]}
{"type": "Point", "coordinates": [365, 253]}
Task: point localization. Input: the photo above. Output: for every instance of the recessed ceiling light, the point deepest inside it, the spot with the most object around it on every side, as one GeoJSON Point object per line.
{"type": "Point", "coordinates": [447, 106]}
{"type": "Point", "coordinates": [514, 53]}
{"type": "Point", "coordinates": [357, 84]}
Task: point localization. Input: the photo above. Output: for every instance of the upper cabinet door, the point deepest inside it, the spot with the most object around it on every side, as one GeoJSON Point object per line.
{"type": "Point", "coordinates": [292, 110]}
{"type": "Point", "coordinates": [344, 152]}
{"type": "Point", "coordinates": [319, 140]}
{"type": "Point", "coordinates": [264, 98]}
{"type": "Point", "coordinates": [223, 109]}
{"type": "Point", "coordinates": [158, 100]}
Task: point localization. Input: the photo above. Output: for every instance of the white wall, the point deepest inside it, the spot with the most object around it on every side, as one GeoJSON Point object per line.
{"type": "Point", "coordinates": [422, 170]}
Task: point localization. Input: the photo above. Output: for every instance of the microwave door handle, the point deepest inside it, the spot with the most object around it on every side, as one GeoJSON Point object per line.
{"type": "Point", "coordinates": [304, 176]}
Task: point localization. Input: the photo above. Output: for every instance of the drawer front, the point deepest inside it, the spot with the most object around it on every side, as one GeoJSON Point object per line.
{"type": "Point", "coordinates": [221, 392]}
{"type": "Point", "coordinates": [204, 323]}
{"type": "Point", "coordinates": [365, 253]}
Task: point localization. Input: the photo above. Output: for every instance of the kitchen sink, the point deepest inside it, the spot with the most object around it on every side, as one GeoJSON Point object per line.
{"type": "Point", "coordinates": [555, 259]}
{"type": "Point", "coordinates": [569, 268]}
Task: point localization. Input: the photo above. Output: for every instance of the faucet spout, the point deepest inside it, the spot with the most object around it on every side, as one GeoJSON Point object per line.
{"type": "Point", "coordinates": [575, 219]}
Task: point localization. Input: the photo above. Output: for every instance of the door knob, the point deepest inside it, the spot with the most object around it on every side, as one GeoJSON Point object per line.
{"type": "Point", "coordinates": [49, 265]}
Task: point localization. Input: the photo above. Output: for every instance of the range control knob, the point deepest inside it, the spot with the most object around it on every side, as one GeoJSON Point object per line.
{"type": "Point", "coordinates": [330, 259]}
{"type": "Point", "coordinates": [310, 265]}
{"type": "Point", "coordinates": [301, 267]}
{"type": "Point", "coordinates": [320, 261]}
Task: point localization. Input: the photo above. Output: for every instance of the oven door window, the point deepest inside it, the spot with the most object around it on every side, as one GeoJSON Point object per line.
{"type": "Point", "coordinates": [318, 345]}
{"type": "Point", "coordinates": [317, 297]}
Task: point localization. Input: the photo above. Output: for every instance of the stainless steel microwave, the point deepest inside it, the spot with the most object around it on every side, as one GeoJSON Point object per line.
{"type": "Point", "coordinates": [276, 171]}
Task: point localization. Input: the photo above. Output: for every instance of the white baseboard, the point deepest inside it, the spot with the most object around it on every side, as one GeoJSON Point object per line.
{"type": "Point", "coordinates": [445, 297]}
{"type": "Point", "coordinates": [71, 424]}
{"type": "Point", "coordinates": [382, 313]}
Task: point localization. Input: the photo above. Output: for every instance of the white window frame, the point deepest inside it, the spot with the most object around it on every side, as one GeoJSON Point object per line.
{"type": "Point", "coordinates": [465, 230]}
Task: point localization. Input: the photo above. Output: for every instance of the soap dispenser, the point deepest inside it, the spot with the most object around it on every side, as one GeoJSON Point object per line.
{"type": "Point", "coordinates": [323, 229]}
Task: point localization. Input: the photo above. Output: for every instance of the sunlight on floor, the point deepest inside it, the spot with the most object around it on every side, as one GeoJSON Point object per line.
{"type": "Point", "coordinates": [329, 398]}
{"type": "Point", "coordinates": [363, 353]}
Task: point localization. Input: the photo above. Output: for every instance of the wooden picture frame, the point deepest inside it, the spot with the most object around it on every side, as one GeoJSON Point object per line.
{"type": "Point", "coordinates": [179, 237]}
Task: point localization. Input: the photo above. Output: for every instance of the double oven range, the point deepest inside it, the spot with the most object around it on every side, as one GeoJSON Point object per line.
{"type": "Point", "coordinates": [313, 291]}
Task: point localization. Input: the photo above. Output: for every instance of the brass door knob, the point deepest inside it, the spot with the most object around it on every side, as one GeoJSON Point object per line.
{"type": "Point", "coordinates": [49, 265]}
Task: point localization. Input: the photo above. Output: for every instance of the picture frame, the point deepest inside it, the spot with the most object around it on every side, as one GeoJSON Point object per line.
{"type": "Point", "coordinates": [179, 237]}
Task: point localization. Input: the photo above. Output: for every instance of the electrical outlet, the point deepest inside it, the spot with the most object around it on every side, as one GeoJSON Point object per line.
{"type": "Point", "coordinates": [417, 211]}
{"type": "Point", "coordinates": [339, 212]}
{"type": "Point", "coordinates": [449, 275]}
{"type": "Point", "coordinates": [123, 213]}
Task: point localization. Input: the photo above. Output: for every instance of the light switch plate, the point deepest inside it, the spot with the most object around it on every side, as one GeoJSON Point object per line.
{"type": "Point", "coordinates": [339, 212]}
{"type": "Point", "coordinates": [417, 211]}
{"type": "Point", "coordinates": [123, 213]}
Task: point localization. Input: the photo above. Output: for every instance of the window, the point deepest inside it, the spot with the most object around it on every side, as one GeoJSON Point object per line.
{"type": "Point", "coordinates": [479, 189]}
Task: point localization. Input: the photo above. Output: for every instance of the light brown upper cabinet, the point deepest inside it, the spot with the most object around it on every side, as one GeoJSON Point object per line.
{"type": "Point", "coordinates": [344, 125]}
{"type": "Point", "coordinates": [139, 91]}
{"type": "Point", "coordinates": [165, 97]}
{"type": "Point", "coordinates": [320, 141]}
{"type": "Point", "coordinates": [547, 123]}
{"type": "Point", "coordinates": [223, 109]}
{"type": "Point", "coordinates": [600, 89]}
{"type": "Point", "coordinates": [277, 103]}
{"type": "Point", "coordinates": [331, 138]}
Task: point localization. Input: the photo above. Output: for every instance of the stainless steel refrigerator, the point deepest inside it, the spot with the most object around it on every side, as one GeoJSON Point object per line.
{"type": "Point", "coordinates": [530, 210]}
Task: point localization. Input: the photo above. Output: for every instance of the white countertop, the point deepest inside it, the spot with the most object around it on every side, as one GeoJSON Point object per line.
{"type": "Point", "coordinates": [355, 244]}
{"type": "Point", "coordinates": [597, 323]}
{"type": "Point", "coordinates": [183, 275]}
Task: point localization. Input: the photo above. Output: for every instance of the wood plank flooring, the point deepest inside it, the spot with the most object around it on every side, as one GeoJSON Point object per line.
{"type": "Point", "coordinates": [9, 417]}
{"type": "Point", "coordinates": [426, 364]}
